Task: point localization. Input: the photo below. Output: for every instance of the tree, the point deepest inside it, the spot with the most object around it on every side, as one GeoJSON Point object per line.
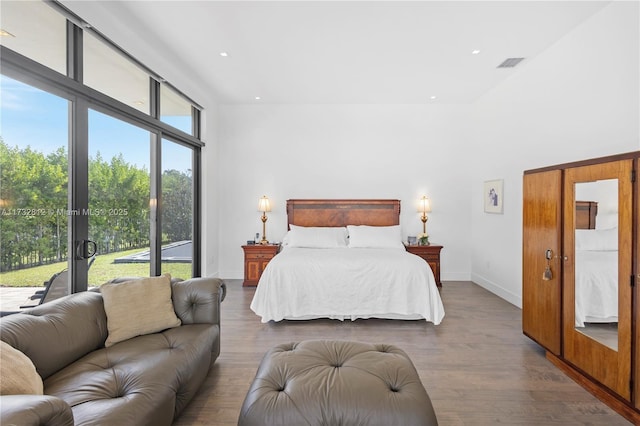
{"type": "Point", "coordinates": [177, 198]}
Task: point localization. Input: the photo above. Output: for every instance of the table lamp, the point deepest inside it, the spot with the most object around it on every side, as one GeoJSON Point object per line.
{"type": "Point", "coordinates": [264, 207]}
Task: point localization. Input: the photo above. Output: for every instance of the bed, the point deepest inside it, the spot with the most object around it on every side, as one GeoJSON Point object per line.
{"type": "Point", "coordinates": [344, 259]}
{"type": "Point", "coordinates": [596, 268]}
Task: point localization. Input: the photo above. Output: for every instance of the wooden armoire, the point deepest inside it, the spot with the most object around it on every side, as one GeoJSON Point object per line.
{"type": "Point", "coordinates": [581, 273]}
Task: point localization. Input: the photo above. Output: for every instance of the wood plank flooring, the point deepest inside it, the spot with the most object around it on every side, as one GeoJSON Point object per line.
{"type": "Point", "coordinates": [477, 366]}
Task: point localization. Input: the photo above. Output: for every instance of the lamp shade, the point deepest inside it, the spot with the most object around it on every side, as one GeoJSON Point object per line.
{"type": "Point", "coordinates": [263, 204]}
{"type": "Point", "coordinates": [424, 205]}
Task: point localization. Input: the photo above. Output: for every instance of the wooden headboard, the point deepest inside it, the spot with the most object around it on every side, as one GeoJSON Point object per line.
{"type": "Point", "coordinates": [343, 212]}
{"type": "Point", "coordinates": [586, 212]}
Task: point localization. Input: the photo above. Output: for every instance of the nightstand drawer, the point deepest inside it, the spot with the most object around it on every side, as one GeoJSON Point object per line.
{"type": "Point", "coordinates": [256, 258]}
{"type": "Point", "coordinates": [251, 256]}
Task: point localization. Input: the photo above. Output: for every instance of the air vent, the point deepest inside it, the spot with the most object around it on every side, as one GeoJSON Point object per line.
{"type": "Point", "coordinates": [510, 62]}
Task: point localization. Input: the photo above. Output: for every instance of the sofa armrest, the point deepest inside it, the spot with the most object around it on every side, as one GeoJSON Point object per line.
{"type": "Point", "coordinates": [197, 300]}
{"type": "Point", "coordinates": [34, 410]}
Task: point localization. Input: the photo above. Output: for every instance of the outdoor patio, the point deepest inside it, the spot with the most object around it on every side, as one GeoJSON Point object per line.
{"type": "Point", "coordinates": [12, 297]}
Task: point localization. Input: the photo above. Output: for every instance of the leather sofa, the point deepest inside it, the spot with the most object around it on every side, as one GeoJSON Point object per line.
{"type": "Point", "coordinates": [145, 380]}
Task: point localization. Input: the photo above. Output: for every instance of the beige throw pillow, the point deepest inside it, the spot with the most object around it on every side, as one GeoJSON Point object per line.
{"type": "Point", "coordinates": [18, 375]}
{"type": "Point", "coordinates": [138, 307]}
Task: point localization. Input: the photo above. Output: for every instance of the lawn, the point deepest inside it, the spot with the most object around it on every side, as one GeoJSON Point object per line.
{"type": "Point", "coordinates": [102, 270]}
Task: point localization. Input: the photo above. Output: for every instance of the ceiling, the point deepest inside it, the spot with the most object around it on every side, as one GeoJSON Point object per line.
{"type": "Point", "coordinates": [335, 52]}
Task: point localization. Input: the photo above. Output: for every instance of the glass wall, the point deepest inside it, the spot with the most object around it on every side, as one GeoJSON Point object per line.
{"type": "Point", "coordinates": [175, 110]}
{"type": "Point", "coordinates": [35, 30]}
{"type": "Point", "coordinates": [87, 167]}
{"type": "Point", "coordinates": [177, 209]}
{"type": "Point", "coordinates": [33, 184]}
{"type": "Point", "coordinates": [119, 193]}
{"type": "Point", "coordinates": [110, 72]}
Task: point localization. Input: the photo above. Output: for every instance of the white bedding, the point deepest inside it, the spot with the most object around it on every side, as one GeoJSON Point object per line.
{"type": "Point", "coordinates": [596, 286]}
{"type": "Point", "coordinates": [347, 283]}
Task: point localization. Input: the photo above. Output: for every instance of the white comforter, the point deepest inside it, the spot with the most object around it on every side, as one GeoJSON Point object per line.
{"type": "Point", "coordinates": [347, 283]}
{"type": "Point", "coordinates": [596, 286]}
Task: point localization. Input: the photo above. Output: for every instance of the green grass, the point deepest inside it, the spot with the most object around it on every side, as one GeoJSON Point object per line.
{"type": "Point", "coordinates": [102, 270]}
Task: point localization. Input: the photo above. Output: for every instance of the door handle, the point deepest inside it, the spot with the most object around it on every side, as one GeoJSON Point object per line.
{"type": "Point", "coordinates": [86, 249]}
{"type": "Point", "coordinates": [547, 275]}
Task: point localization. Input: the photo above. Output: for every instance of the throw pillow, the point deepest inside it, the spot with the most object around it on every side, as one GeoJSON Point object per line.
{"type": "Point", "coordinates": [138, 307]}
{"type": "Point", "coordinates": [18, 375]}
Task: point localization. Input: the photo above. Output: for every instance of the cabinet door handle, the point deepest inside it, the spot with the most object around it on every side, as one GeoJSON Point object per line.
{"type": "Point", "coordinates": [547, 275]}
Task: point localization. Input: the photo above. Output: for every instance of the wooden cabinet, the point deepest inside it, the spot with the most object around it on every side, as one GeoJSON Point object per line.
{"type": "Point", "coordinates": [541, 231]}
{"type": "Point", "coordinates": [581, 261]}
{"type": "Point", "coordinates": [431, 254]}
{"type": "Point", "coordinates": [256, 258]}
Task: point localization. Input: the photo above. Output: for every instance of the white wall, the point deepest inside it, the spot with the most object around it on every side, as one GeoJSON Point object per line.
{"type": "Point", "coordinates": [210, 193]}
{"type": "Point", "coordinates": [344, 151]}
{"type": "Point", "coordinates": [577, 100]}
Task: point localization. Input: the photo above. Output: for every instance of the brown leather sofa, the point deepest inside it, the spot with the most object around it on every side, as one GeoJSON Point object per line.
{"type": "Point", "coordinates": [146, 380]}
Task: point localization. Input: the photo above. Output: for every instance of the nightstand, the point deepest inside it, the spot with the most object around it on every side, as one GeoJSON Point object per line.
{"type": "Point", "coordinates": [431, 255]}
{"type": "Point", "coordinates": [256, 258]}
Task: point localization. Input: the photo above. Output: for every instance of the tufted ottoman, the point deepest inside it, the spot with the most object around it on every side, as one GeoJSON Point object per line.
{"type": "Point", "coordinates": [325, 382]}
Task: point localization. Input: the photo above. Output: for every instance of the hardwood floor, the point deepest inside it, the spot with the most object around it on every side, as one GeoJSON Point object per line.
{"type": "Point", "coordinates": [477, 366]}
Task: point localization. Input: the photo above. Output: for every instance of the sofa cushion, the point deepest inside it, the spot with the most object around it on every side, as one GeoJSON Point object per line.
{"type": "Point", "coordinates": [138, 307]}
{"type": "Point", "coordinates": [55, 334]}
{"type": "Point", "coordinates": [18, 375]}
{"type": "Point", "coordinates": [144, 380]}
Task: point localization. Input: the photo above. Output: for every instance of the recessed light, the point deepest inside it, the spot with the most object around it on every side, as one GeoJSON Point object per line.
{"type": "Point", "coordinates": [475, 52]}
{"type": "Point", "coordinates": [5, 33]}
{"type": "Point", "coordinates": [432, 97]}
{"type": "Point", "coordinates": [138, 102]}
{"type": "Point", "coordinates": [258, 98]}
{"type": "Point", "coordinates": [224, 54]}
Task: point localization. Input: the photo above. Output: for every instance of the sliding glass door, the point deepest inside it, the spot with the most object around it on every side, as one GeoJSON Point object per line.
{"type": "Point", "coordinates": [177, 210]}
{"type": "Point", "coordinates": [118, 202]}
{"type": "Point", "coordinates": [34, 180]}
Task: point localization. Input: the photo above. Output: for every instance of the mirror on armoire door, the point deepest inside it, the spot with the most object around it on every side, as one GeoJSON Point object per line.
{"type": "Point", "coordinates": [598, 264]}
{"type": "Point", "coordinates": [596, 260]}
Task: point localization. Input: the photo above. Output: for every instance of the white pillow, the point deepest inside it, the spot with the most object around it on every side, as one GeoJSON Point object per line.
{"type": "Point", "coordinates": [316, 237]}
{"type": "Point", "coordinates": [597, 239]}
{"type": "Point", "coordinates": [364, 236]}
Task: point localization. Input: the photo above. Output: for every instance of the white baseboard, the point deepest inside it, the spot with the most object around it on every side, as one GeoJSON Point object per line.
{"type": "Point", "coordinates": [514, 299]}
{"type": "Point", "coordinates": [232, 274]}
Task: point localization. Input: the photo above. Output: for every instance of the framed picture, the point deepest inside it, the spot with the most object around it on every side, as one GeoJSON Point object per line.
{"type": "Point", "coordinates": [493, 196]}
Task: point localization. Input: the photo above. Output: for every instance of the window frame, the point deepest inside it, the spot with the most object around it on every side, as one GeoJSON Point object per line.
{"type": "Point", "coordinates": [26, 70]}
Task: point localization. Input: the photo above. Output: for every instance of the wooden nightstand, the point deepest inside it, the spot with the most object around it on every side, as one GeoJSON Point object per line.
{"type": "Point", "coordinates": [256, 258]}
{"type": "Point", "coordinates": [431, 254]}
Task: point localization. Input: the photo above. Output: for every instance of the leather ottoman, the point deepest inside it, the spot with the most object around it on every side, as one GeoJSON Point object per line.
{"type": "Point", "coordinates": [327, 382]}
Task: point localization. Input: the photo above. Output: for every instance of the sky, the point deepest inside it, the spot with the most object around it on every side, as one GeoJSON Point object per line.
{"type": "Point", "coordinates": [32, 117]}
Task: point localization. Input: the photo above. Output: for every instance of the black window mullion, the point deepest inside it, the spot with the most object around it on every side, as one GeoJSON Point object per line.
{"type": "Point", "coordinates": [78, 193]}
{"type": "Point", "coordinates": [155, 216]}
{"type": "Point", "coordinates": [197, 217]}
{"type": "Point", "coordinates": [78, 165]}
{"type": "Point", "coordinates": [74, 52]}
{"type": "Point", "coordinates": [196, 176]}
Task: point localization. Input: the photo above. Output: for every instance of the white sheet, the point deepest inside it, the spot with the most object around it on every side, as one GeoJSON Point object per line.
{"type": "Point", "coordinates": [347, 283]}
{"type": "Point", "coordinates": [596, 286]}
